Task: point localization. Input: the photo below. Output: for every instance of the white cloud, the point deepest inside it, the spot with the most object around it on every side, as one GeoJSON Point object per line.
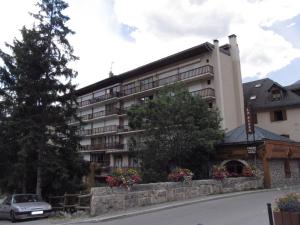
{"type": "Point", "coordinates": [163, 27]}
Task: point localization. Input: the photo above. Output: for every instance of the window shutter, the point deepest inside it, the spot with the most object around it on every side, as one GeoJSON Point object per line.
{"type": "Point", "coordinates": [272, 116]}
{"type": "Point", "coordinates": [284, 115]}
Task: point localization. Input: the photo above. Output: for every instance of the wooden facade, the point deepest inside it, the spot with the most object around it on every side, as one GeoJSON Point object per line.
{"type": "Point", "coordinates": [266, 151]}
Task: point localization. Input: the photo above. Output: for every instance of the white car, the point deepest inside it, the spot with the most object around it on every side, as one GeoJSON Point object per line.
{"type": "Point", "coordinates": [23, 206]}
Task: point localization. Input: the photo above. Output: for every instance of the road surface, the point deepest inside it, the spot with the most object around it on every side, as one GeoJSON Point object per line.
{"type": "Point", "coordinates": [249, 209]}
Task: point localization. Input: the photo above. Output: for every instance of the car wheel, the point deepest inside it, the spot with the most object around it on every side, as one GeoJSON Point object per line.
{"type": "Point", "coordinates": [12, 217]}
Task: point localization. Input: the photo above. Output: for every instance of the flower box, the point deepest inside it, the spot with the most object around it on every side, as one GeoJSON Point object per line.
{"type": "Point", "coordinates": [286, 218]}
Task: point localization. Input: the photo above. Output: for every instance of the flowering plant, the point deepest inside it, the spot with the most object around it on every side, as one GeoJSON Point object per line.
{"type": "Point", "coordinates": [179, 174]}
{"type": "Point", "coordinates": [219, 172]}
{"type": "Point", "coordinates": [289, 203]}
{"type": "Point", "coordinates": [249, 171]}
{"type": "Point", "coordinates": [123, 177]}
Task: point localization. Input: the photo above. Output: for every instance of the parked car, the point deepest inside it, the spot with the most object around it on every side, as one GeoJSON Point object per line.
{"type": "Point", "coordinates": [23, 206]}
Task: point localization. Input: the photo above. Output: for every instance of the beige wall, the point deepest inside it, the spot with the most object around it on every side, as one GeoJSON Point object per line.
{"type": "Point", "coordinates": [291, 126]}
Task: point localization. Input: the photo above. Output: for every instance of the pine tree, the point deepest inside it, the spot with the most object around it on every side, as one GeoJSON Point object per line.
{"type": "Point", "coordinates": [179, 130]}
{"type": "Point", "coordinates": [38, 97]}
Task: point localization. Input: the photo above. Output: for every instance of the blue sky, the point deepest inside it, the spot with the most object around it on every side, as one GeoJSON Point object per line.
{"type": "Point", "coordinates": [289, 74]}
{"type": "Point", "coordinates": [135, 32]}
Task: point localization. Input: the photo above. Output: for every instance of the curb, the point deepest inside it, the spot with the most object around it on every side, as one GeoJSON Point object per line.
{"type": "Point", "coordinates": [174, 205]}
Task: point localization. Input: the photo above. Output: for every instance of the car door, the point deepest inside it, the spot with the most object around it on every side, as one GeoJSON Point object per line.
{"type": "Point", "coordinates": [5, 208]}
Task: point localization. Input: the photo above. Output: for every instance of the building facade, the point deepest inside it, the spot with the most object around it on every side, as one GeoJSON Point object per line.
{"type": "Point", "coordinates": [275, 108]}
{"type": "Point", "coordinates": [208, 70]}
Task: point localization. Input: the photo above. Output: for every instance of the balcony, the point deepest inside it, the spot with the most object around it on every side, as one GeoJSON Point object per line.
{"type": "Point", "coordinates": [99, 130]}
{"type": "Point", "coordinates": [100, 147]}
{"type": "Point", "coordinates": [98, 99]}
{"type": "Point", "coordinates": [203, 71]}
{"type": "Point", "coordinates": [100, 114]}
{"type": "Point", "coordinates": [206, 93]}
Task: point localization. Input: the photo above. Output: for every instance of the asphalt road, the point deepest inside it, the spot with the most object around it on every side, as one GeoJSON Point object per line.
{"type": "Point", "coordinates": [249, 209]}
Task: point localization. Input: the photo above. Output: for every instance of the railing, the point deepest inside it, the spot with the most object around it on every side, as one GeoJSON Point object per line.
{"type": "Point", "coordinates": [164, 81]}
{"type": "Point", "coordinates": [101, 146]}
{"type": "Point", "coordinates": [71, 202]}
{"type": "Point", "coordinates": [96, 115]}
{"type": "Point", "coordinates": [99, 130]}
{"type": "Point", "coordinates": [204, 93]}
{"type": "Point", "coordinates": [99, 99]}
{"type": "Point", "coordinates": [114, 168]}
{"type": "Point", "coordinates": [171, 79]}
{"type": "Point", "coordinates": [124, 128]}
{"type": "Point", "coordinates": [100, 114]}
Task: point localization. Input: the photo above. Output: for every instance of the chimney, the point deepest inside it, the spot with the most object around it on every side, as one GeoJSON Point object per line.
{"type": "Point", "coordinates": [111, 74]}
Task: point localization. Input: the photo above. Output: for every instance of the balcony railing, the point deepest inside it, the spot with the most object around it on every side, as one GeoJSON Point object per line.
{"type": "Point", "coordinates": [99, 99]}
{"type": "Point", "coordinates": [125, 128]}
{"type": "Point", "coordinates": [207, 69]}
{"type": "Point", "coordinates": [204, 93]}
{"type": "Point", "coordinates": [99, 130]}
{"type": "Point", "coordinates": [105, 146]}
{"type": "Point", "coordinates": [100, 114]}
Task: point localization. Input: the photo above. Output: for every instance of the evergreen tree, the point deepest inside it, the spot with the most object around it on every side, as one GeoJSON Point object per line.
{"type": "Point", "coordinates": [39, 148]}
{"type": "Point", "coordinates": [179, 131]}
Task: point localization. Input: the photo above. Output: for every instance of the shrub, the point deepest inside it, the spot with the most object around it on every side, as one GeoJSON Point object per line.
{"type": "Point", "coordinates": [123, 177]}
{"type": "Point", "coordinates": [288, 203]}
{"type": "Point", "coordinates": [179, 174]}
{"type": "Point", "coordinates": [249, 171]}
{"type": "Point", "coordinates": [219, 172]}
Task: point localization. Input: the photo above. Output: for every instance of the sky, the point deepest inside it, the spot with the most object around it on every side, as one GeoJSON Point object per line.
{"type": "Point", "coordinates": [124, 34]}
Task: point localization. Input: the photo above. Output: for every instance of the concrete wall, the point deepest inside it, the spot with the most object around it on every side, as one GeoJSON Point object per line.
{"type": "Point", "coordinates": [291, 126]}
{"type": "Point", "coordinates": [278, 178]}
{"type": "Point", "coordinates": [106, 199]}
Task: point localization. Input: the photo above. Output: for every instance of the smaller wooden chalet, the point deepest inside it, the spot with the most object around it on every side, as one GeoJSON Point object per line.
{"type": "Point", "coordinates": [276, 157]}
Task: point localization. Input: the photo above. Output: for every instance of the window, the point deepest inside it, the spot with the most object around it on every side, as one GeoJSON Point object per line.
{"type": "Point", "coordinates": [255, 118]}
{"type": "Point", "coordinates": [278, 115]}
{"type": "Point", "coordinates": [285, 135]}
{"type": "Point", "coordinates": [146, 83]}
{"type": "Point", "coordinates": [97, 158]}
{"type": "Point", "coordinates": [118, 162]}
{"type": "Point", "coordinates": [210, 105]}
{"type": "Point", "coordinates": [129, 89]}
{"type": "Point", "coordinates": [276, 95]}
{"type": "Point", "coordinates": [208, 82]}
{"type": "Point", "coordinates": [287, 168]}
{"type": "Point", "coordinates": [146, 99]}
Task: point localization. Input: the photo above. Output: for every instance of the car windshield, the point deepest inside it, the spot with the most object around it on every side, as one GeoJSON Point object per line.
{"type": "Point", "coordinates": [26, 198]}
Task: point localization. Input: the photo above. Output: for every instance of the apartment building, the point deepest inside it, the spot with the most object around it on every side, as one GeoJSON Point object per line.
{"type": "Point", "coordinates": [208, 70]}
{"type": "Point", "coordinates": [276, 108]}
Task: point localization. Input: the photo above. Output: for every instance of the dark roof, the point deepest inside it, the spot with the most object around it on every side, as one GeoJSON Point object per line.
{"type": "Point", "coordinates": [261, 89]}
{"type": "Point", "coordinates": [188, 53]}
{"type": "Point", "coordinates": [239, 136]}
{"type": "Point", "coordinates": [294, 86]}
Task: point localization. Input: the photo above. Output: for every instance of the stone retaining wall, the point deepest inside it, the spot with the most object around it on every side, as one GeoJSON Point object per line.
{"type": "Point", "coordinates": [106, 199]}
{"type": "Point", "coordinates": [278, 176]}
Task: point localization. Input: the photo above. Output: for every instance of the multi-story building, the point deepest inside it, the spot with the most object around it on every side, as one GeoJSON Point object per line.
{"type": "Point", "coordinates": [208, 70]}
{"type": "Point", "coordinates": [276, 108]}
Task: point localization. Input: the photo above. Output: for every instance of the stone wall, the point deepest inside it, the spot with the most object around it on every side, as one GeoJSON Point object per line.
{"type": "Point", "coordinates": [106, 199]}
{"type": "Point", "coordinates": [278, 177]}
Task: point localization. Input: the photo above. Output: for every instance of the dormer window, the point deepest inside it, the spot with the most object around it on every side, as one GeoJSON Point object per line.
{"type": "Point", "coordinates": [276, 95]}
